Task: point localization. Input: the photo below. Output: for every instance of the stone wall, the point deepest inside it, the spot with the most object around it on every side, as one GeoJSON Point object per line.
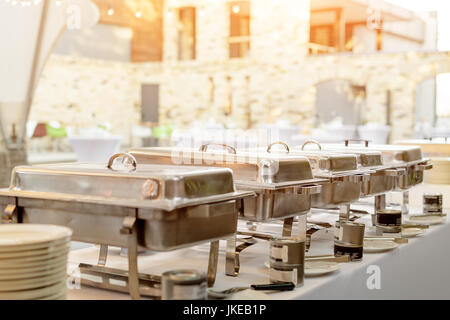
{"type": "Point", "coordinates": [277, 80]}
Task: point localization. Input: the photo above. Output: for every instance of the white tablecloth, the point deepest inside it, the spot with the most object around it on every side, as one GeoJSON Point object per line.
{"type": "Point", "coordinates": [417, 270]}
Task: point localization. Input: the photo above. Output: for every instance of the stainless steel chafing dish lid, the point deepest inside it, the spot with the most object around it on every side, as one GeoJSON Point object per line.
{"type": "Point", "coordinates": [323, 164]}
{"type": "Point", "coordinates": [329, 161]}
{"type": "Point", "coordinates": [391, 154]}
{"type": "Point", "coordinates": [365, 158]}
{"type": "Point", "coordinates": [253, 169]}
{"type": "Point", "coordinates": [148, 186]}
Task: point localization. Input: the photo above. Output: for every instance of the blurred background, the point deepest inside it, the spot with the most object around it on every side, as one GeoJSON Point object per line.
{"type": "Point", "coordinates": [178, 72]}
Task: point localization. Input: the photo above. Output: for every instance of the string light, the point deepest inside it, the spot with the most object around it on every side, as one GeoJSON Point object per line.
{"type": "Point", "coordinates": [29, 3]}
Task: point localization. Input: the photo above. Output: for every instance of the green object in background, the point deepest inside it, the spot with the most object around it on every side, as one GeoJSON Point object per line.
{"type": "Point", "coordinates": [56, 132]}
{"type": "Point", "coordinates": [161, 132]}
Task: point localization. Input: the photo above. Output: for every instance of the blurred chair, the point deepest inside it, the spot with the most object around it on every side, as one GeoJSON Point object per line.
{"type": "Point", "coordinates": [160, 136]}
{"type": "Point", "coordinates": [40, 130]}
{"type": "Point", "coordinates": [56, 133]}
{"type": "Point", "coordinates": [36, 132]}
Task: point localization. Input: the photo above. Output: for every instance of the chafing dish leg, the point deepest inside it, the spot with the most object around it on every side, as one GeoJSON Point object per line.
{"type": "Point", "coordinates": [212, 264]}
{"type": "Point", "coordinates": [10, 214]}
{"type": "Point", "coordinates": [130, 229]}
{"type": "Point", "coordinates": [116, 279]}
{"type": "Point", "coordinates": [344, 212]}
{"type": "Point", "coordinates": [232, 264]}
{"type": "Point", "coordinates": [287, 226]}
{"type": "Point", "coordinates": [380, 204]}
{"type": "Point", "coordinates": [405, 203]}
{"type": "Point", "coordinates": [103, 255]}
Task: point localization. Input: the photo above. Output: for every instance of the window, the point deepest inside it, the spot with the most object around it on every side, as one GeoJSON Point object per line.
{"type": "Point", "coordinates": [324, 31]}
{"type": "Point", "coordinates": [239, 40]}
{"type": "Point", "coordinates": [186, 33]}
{"type": "Point", "coordinates": [322, 35]}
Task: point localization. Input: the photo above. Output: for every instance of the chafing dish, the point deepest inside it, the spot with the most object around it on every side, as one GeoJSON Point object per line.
{"type": "Point", "coordinates": [154, 207]}
{"type": "Point", "coordinates": [406, 160]}
{"type": "Point", "coordinates": [382, 178]}
{"type": "Point", "coordinates": [283, 185]}
{"type": "Point", "coordinates": [343, 179]}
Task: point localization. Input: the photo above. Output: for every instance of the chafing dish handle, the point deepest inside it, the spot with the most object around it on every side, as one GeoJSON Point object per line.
{"type": "Point", "coordinates": [366, 142]}
{"type": "Point", "coordinates": [394, 172]}
{"type": "Point", "coordinates": [311, 142]}
{"type": "Point", "coordinates": [357, 178]}
{"type": "Point", "coordinates": [422, 167]}
{"type": "Point", "coordinates": [269, 147]}
{"type": "Point", "coordinates": [308, 190]}
{"type": "Point", "coordinates": [230, 149]}
{"type": "Point", "coordinates": [125, 157]}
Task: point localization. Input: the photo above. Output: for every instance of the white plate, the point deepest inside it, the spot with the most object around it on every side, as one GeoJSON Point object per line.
{"type": "Point", "coordinates": [48, 261]}
{"type": "Point", "coordinates": [320, 267]}
{"type": "Point", "coordinates": [39, 246]}
{"type": "Point", "coordinates": [19, 235]}
{"type": "Point", "coordinates": [36, 252]}
{"type": "Point", "coordinates": [36, 293]}
{"type": "Point", "coordinates": [430, 220]}
{"type": "Point", "coordinates": [316, 268]}
{"type": "Point", "coordinates": [412, 232]}
{"type": "Point", "coordinates": [374, 246]}
{"type": "Point", "coordinates": [6, 263]}
{"type": "Point", "coordinates": [34, 283]}
{"type": "Point", "coordinates": [33, 273]}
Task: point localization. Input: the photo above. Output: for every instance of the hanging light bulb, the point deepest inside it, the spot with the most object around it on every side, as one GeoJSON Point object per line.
{"type": "Point", "coordinates": [236, 8]}
{"type": "Point", "coordinates": [138, 14]}
{"type": "Point", "coordinates": [110, 11]}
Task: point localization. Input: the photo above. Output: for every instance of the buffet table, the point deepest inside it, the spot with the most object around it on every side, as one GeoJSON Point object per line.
{"type": "Point", "coordinates": [416, 270]}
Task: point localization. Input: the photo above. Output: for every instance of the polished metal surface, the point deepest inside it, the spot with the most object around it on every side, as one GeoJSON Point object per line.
{"type": "Point", "coordinates": [349, 175]}
{"type": "Point", "coordinates": [283, 184]}
{"type": "Point", "coordinates": [349, 233]}
{"type": "Point", "coordinates": [154, 207]}
{"type": "Point", "coordinates": [258, 167]}
{"type": "Point", "coordinates": [382, 178]}
{"type": "Point", "coordinates": [287, 273]}
{"type": "Point", "coordinates": [287, 250]}
{"type": "Point", "coordinates": [343, 179]}
{"type": "Point", "coordinates": [152, 186]}
{"type": "Point", "coordinates": [432, 202]}
{"type": "Point", "coordinates": [183, 285]}
{"type": "Point", "coordinates": [389, 220]}
{"type": "Point", "coordinates": [408, 158]}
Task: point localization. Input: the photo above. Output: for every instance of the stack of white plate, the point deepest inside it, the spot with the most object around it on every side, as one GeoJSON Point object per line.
{"type": "Point", "coordinates": [33, 261]}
